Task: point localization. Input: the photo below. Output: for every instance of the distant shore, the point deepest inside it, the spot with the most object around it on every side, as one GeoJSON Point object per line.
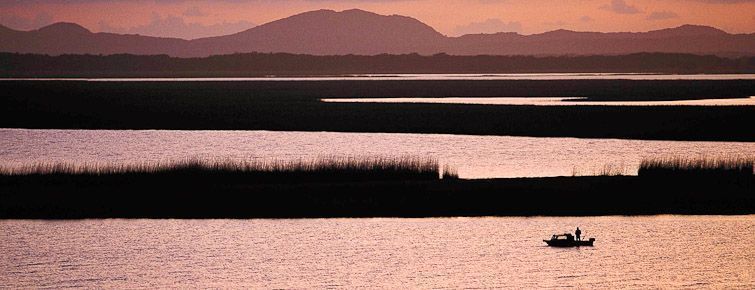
{"type": "Point", "coordinates": [552, 196]}
{"type": "Point", "coordinates": [283, 64]}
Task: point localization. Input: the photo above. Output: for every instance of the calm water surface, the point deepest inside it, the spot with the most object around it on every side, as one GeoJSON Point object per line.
{"type": "Point", "coordinates": [549, 101]}
{"type": "Point", "coordinates": [630, 252]}
{"type": "Point", "coordinates": [384, 77]}
{"type": "Point", "coordinates": [474, 156]}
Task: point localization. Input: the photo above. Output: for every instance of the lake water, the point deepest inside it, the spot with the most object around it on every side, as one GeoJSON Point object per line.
{"type": "Point", "coordinates": [384, 77]}
{"type": "Point", "coordinates": [473, 156]}
{"type": "Point", "coordinates": [630, 252]}
{"type": "Point", "coordinates": [549, 101]}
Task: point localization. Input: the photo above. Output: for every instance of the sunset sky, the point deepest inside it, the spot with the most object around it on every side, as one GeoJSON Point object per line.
{"type": "Point", "coordinates": [193, 19]}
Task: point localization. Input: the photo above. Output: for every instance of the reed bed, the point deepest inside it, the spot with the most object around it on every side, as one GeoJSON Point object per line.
{"type": "Point", "coordinates": [606, 170]}
{"type": "Point", "coordinates": [327, 168]}
{"type": "Point", "coordinates": [705, 166]}
{"type": "Point", "coordinates": [449, 172]}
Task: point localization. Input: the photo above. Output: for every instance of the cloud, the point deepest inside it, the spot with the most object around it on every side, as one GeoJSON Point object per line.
{"type": "Point", "coordinates": [621, 7]}
{"type": "Point", "coordinates": [7, 3]}
{"type": "Point", "coordinates": [37, 2]}
{"type": "Point", "coordinates": [21, 23]}
{"type": "Point", "coordinates": [559, 23]}
{"type": "Point", "coordinates": [194, 11]}
{"type": "Point", "coordinates": [586, 19]}
{"type": "Point", "coordinates": [174, 26]}
{"type": "Point", "coordinates": [662, 15]}
{"type": "Point", "coordinates": [355, 0]}
{"type": "Point", "coordinates": [488, 26]}
{"type": "Point", "coordinates": [726, 1]}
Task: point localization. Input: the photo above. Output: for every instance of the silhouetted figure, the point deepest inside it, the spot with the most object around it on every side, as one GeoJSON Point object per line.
{"type": "Point", "coordinates": [578, 233]}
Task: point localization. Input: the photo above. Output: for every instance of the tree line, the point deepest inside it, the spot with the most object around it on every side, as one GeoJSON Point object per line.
{"type": "Point", "coordinates": [283, 64]}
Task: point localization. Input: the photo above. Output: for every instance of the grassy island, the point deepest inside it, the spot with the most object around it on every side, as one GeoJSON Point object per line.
{"type": "Point", "coordinates": [408, 187]}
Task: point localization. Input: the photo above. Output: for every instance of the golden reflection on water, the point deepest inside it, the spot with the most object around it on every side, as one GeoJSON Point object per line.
{"type": "Point", "coordinates": [630, 252]}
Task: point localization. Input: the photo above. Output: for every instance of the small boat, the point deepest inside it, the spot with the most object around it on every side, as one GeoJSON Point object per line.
{"type": "Point", "coordinates": [567, 240]}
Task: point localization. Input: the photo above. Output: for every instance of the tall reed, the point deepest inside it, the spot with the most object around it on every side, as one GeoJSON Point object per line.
{"type": "Point", "coordinates": [610, 169]}
{"type": "Point", "coordinates": [686, 166]}
{"type": "Point", "coordinates": [326, 168]}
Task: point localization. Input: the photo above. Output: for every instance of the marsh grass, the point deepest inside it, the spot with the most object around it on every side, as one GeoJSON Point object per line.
{"type": "Point", "coordinates": [449, 172]}
{"type": "Point", "coordinates": [689, 166]}
{"type": "Point", "coordinates": [320, 169]}
{"type": "Point", "coordinates": [610, 169]}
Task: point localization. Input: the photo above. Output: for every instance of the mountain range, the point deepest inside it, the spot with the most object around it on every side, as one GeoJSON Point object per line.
{"type": "Point", "coordinates": [327, 32]}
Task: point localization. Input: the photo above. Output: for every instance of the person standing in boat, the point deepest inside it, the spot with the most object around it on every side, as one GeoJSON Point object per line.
{"type": "Point", "coordinates": [578, 233]}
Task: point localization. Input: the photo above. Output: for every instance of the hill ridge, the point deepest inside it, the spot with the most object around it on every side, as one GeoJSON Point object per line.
{"type": "Point", "coordinates": [360, 32]}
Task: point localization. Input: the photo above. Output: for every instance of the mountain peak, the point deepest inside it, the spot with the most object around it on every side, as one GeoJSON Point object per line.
{"type": "Point", "coordinates": [344, 13]}
{"type": "Point", "coordinates": [356, 11]}
{"type": "Point", "coordinates": [693, 27]}
{"type": "Point", "coordinates": [352, 31]}
{"type": "Point", "coordinates": [65, 27]}
{"type": "Point", "coordinates": [560, 31]}
{"type": "Point", "coordinates": [690, 30]}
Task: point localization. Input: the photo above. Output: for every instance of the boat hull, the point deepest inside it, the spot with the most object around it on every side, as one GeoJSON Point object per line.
{"type": "Point", "coordinates": [569, 243]}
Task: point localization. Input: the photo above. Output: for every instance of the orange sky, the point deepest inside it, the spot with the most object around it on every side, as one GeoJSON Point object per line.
{"type": "Point", "coordinates": [190, 19]}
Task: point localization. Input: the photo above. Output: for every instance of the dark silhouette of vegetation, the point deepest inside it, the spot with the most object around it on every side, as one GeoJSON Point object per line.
{"type": "Point", "coordinates": [240, 172]}
{"type": "Point", "coordinates": [351, 187]}
{"type": "Point", "coordinates": [282, 64]}
{"type": "Point", "coordinates": [58, 196]}
{"type": "Point", "coordinates": [697, 167]}
{"type": "Point", "coordinates": [296, 106]}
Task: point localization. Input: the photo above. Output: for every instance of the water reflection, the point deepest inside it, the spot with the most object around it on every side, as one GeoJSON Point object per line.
{"type": "Point", "coordinates": [549, 101]}
{"type": "Point", "coordinates": [630, 252]}
{"type": "Point", "coordinates": [474, 156]}
{"type": "Point", "coordinates": [386, 77]}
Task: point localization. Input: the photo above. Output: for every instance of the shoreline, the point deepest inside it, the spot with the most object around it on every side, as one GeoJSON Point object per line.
{"type": "Point", "coordinates": [284, 64]}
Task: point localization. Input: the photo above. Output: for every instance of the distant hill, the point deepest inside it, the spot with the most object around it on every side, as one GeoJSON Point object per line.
{"type": "Point", "coordinates": [327, 32]}
{"type": "Point", "coordinates": [70, 38]}
{"type": "Point", "coordinates": [684, 39]}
